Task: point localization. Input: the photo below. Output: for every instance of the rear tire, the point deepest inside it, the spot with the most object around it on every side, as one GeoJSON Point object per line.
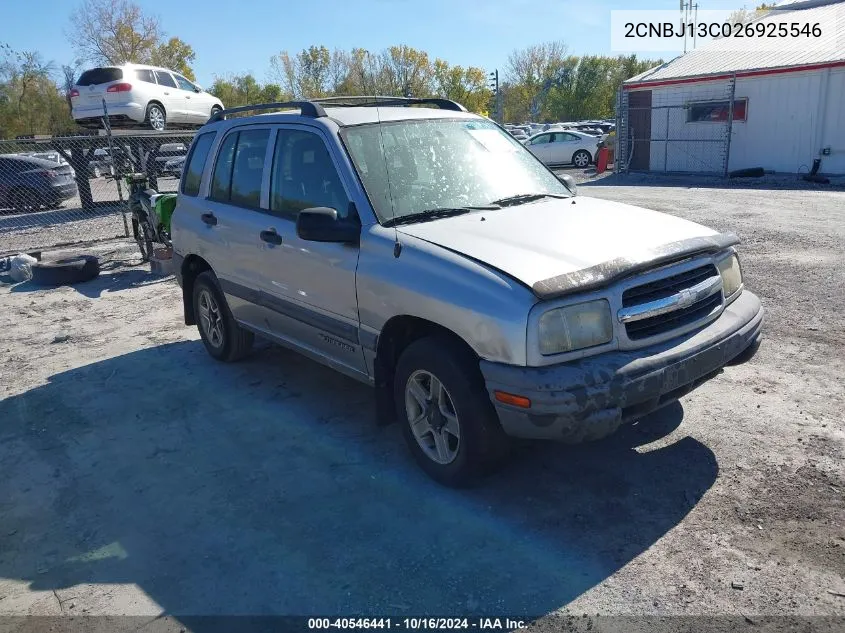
{"type": "Point", "coordinates": [223, 338]}
{"type": "Point", "coordinates": [471, 439]}
{"type": "Point", "coordinates": [156, 117]}
{"type": "Point", "coordinates": [581, 158]}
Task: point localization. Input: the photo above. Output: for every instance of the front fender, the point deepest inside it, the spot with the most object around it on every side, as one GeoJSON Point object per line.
{"type": "Point", "coordinates": [486, 308]}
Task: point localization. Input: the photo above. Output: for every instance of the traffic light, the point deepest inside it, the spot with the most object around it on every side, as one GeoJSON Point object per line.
{"type": "Point", "coordinates": [494, 86]}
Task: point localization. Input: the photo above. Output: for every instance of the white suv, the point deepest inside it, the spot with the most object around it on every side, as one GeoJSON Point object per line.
{"type": "Point", "coordinates": [137, 94]}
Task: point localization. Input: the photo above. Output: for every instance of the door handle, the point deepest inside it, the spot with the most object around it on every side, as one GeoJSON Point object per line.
{"type": "Point", "coordinates": [271, 237]}
{"type": "Point", "coordinates": [209, 218]}
{"type": "Point", "coordinates": [167, 93]}
{"type": "Point", "coordinates": [187, 96]}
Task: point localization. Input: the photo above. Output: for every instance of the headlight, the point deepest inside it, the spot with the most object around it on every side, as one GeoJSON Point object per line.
{"type": "Point", "coordinates": [575, 327]}
{"type": "Point", "coordinates": [731, 275]}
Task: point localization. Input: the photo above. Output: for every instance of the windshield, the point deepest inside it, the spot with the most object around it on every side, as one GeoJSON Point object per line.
{"type": "Point", "coordinates": [443, 163]}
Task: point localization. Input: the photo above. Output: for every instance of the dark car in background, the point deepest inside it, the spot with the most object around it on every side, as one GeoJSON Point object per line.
{"type": "Point", "coordinates": [162, 164]}
{"type": "Point", "coordinates": [28, 183]}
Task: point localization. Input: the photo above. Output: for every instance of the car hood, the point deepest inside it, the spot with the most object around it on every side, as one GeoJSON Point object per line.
{"type": "Point", "coordinates": [557, 246]}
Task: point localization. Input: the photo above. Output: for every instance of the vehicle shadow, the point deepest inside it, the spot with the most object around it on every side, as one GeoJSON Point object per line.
{"type": "Point", "coordinates": [105, 282]}
{"type": "Point", "coordinates": [265, 488]}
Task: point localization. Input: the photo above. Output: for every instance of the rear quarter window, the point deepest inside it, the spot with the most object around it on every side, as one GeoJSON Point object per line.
{"type": "Point", "coordinates": [97, 76]}
{"type": "Point", "coordinates": [145, 75]}
{"type": "Point", "coordinates": [196, 164]}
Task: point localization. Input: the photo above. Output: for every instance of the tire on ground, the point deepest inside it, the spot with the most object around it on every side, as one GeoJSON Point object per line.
{"type": "Point", "coordinates": [483, 445]}
{"type": "Point", "coordinates": [237, 342]}
{"type": "Point", "coordinates": [70, 270]}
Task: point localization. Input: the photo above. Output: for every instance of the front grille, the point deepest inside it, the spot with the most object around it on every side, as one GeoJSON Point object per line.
{"type": "Point", "coordinates": [673, 320]}
{"type": "Point", "coordinates": [666, 287]}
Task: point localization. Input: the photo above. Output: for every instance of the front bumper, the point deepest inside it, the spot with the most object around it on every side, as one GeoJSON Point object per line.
{"type": "Point", "coordinates": [590, 398]}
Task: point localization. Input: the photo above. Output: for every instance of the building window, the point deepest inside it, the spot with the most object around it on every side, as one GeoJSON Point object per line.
{"type": "Point", "coordinates": [716, 111]}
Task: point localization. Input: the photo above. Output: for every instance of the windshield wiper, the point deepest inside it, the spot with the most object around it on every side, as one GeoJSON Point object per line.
{"type": "Point", "coordinates": [522, 198]}
{"type": "Point", "coordinates": [435, 214]}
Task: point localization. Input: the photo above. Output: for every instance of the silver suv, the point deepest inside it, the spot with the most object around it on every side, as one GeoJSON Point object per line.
{"type": "Point", "coordinates": [424, 251]}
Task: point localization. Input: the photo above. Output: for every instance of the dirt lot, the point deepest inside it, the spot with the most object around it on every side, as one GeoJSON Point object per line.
{"type": "Point", "coordinates": [141, 478]}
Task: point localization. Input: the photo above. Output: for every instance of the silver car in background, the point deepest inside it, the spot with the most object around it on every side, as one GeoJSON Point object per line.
{"type": "Point", "coordinates": [564, 147]}
{"type": "Point", "coordinates": [427, 253]}
{"type": "Point", "coordinates": [140, 95]}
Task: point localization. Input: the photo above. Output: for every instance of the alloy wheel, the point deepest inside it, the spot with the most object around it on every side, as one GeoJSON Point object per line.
{"type": "Point", "coordinates": [156, 116]}
{"type": "Point", "coordinates": [432, 416]}
{"type": "Point", "coordinates": [211, 321]}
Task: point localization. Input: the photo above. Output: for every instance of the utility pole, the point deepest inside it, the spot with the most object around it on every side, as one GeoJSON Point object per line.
{"type": "Point", "coordinates": [494, 86]}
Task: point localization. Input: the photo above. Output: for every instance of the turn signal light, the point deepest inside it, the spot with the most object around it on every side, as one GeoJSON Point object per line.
{"type": "Point", "coordinates": [74, 93]}
{"type": "Point", "coordinates": [512, 399]}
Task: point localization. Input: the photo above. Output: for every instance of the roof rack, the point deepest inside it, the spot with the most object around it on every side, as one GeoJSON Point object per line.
{"type": "Point", "coordinates": [307, 108]}
{"type": "Point", "coordinates": [380, 100]}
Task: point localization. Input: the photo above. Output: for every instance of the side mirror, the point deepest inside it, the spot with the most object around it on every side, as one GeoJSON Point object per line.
{"type": "Point", "coordinates": [568, 182]}
{"type": "Point", "coordinates": [321, 224]}
{"type": "Point", "coordinates": [197, 89]}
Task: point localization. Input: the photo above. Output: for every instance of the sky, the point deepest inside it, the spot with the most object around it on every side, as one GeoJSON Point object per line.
{"type": "Point", "coordinates": [237, 36]}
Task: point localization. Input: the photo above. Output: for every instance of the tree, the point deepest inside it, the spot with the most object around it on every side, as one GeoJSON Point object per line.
{"type": "Point", "coordinates": [534, 71]}
{"type": "Point", "coordinates": [467, 86]}
{"type": "Point", "coordinates": [175, 55]}
{"type": "Point", "coordinates": [407, 71]}
{"type": "Point", "coordinates": [114, 32]}
{"type": "Point", "coordinates": [306, 74]}
{"type": "Point", "coordinates": [239, 90]}
{"type": "Point", "coordinates": [68, 79]}
{"type": "Point", "coordinates": [30, 101]}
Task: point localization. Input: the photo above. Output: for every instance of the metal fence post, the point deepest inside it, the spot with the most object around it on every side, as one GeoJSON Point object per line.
{"type": "Point", "coordinates": [666, 144]}
{"type": "Point", "coordinates": [107, 125]}
{"type": "Point", "coordinates": [730, 125]}
{"type": "Point", "coordinates": [617, 151]}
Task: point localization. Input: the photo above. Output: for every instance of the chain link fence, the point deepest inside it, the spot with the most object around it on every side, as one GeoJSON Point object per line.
{"type": "Point", "coordinates": [56, 191]}
{"type": "Point", "coordinates": [682, 128]}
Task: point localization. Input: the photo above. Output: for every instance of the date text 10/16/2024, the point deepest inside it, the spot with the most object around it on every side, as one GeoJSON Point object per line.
{"type": "Point", "coordinates": [416, 624]}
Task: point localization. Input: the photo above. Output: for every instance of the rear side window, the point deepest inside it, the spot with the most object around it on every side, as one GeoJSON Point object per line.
{"type": "Point", "coordinates": [165, 79]}
{"type": "Point", "coordinates": [97, 76]}
{"type": "Point", "coordinates": [221, 180]}
{"type": "Point", "coordinates": [196, 163]}
{"type": "Point", "coordinates": [145, 74]}
{"type": "Point", "coordinates": [248, 168]}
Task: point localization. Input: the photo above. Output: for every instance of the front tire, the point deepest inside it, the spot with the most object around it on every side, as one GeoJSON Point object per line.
{"type": "Point", "coordinates": [156, 117]}
{"type": "Point", "coordinates": [223, 338]}
{"type": "Point", "coordinates": [581, 158]}
{"type": "Point", "coordinates": [447, 418]}
{"type": "Point", "coordinates": [214, 111]}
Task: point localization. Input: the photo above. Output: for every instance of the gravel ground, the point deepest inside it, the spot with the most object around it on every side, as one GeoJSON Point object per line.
{"type": "Point", "coordinates": [142, 478]}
